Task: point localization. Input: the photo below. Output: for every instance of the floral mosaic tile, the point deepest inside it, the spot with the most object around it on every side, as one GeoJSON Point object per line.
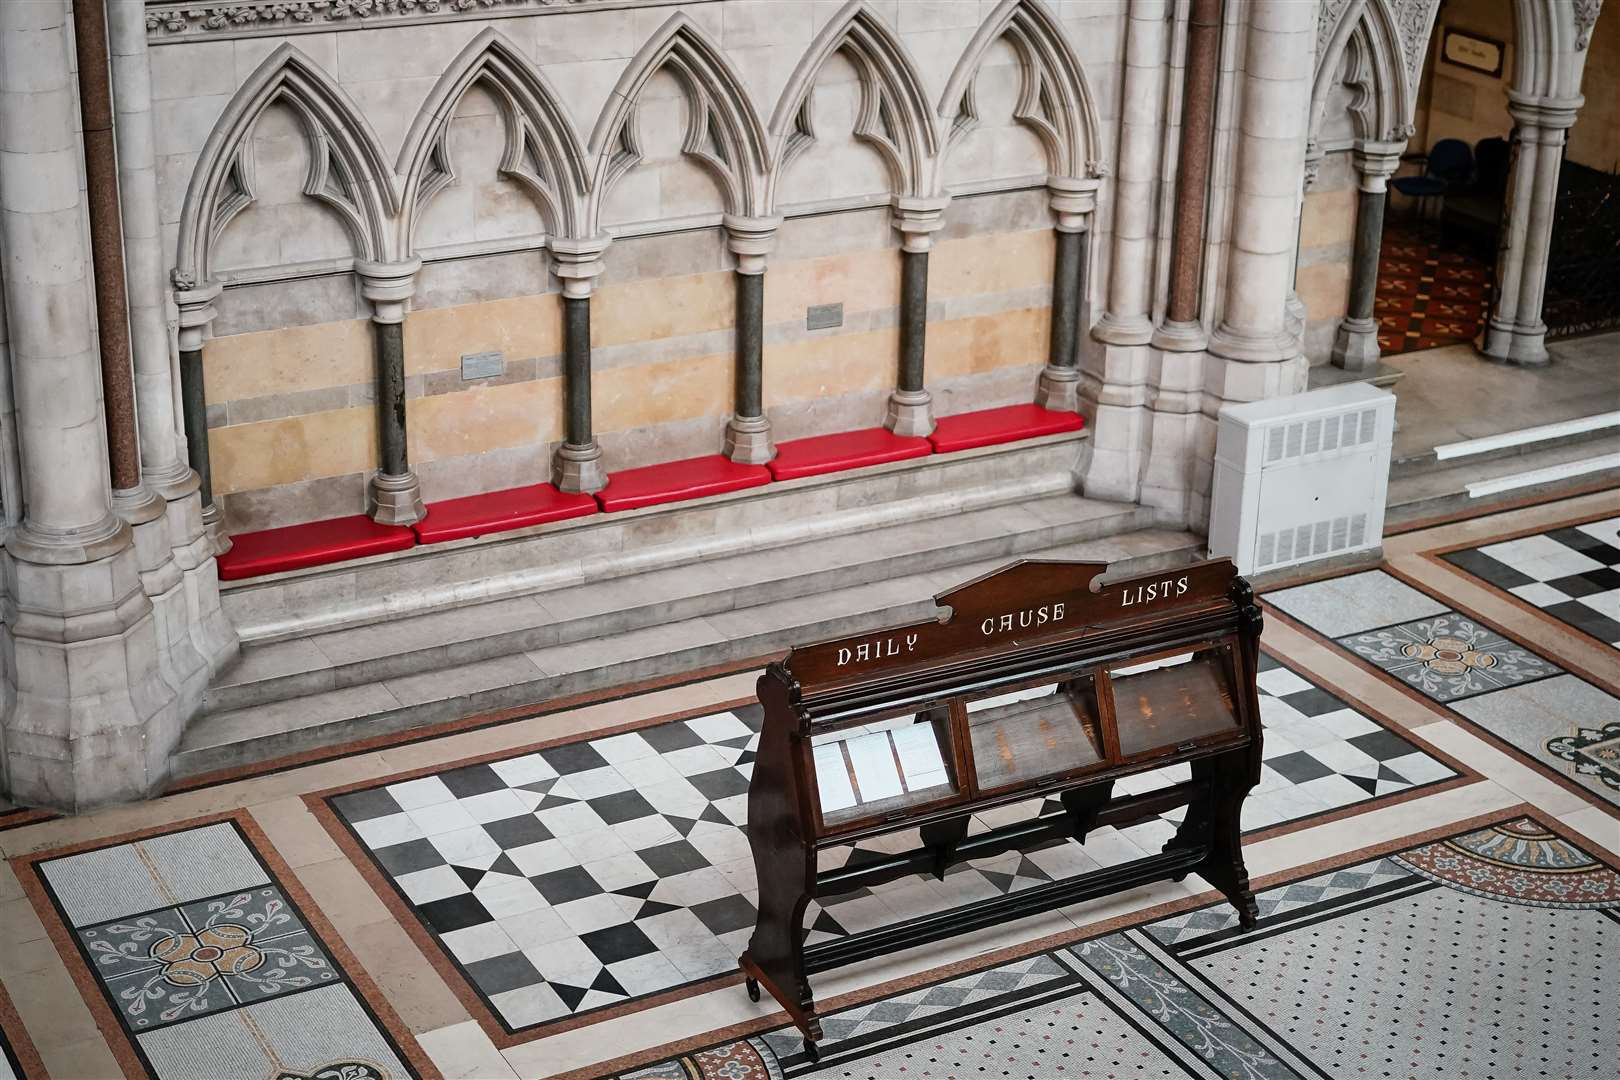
{"type": "Point", "coordinates": [1449, 657]}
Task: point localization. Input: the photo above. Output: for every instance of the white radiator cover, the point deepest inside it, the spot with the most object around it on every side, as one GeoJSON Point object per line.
{"type": "Point", "coordinates": [1301, 478]}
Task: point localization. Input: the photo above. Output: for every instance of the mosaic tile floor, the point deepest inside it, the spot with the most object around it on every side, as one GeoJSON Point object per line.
{"type": "Point", "coordinates": [1528, 701]}
{"type": "Point", "coordinates": [1427, 295]}
{"type": "Point", "coordinates": [1422, 964]}
{"type": "Point", "coordinates": [595, 873]}
{"type": "Point", "coordinates": [209, 966]}
{"type": "Point", "coordinates": [1571, 574]}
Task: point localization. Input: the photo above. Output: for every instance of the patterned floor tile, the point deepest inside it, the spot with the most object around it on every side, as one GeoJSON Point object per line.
{"type": "Point", "coordinates": [562, 870]}
{"type": "Point", "coordinates": [223, 975]}
{"type": "Point", "coordinates": [1572, 574]}
{"type": "Point", "coordinates": [1449, 657]}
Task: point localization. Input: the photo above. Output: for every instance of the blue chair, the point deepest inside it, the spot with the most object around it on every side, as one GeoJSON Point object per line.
{"type": "Point", "coordinates": [1449, 163]}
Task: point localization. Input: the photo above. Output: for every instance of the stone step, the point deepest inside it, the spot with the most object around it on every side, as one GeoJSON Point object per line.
{"type": "Point", "coordinates": [682, 643]}
{"type": "Point", "coordinates": [1442, 488]}
{"type": "Point", "coordinates": [1422, 463]}
{"type": "Point", "coordinates": [411, 646]}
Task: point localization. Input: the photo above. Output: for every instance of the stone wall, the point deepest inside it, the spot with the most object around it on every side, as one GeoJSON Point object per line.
{"type": "Point", "coordinates": [290, 366]}
{"type": "Point", "coordinates": [1458, 102]}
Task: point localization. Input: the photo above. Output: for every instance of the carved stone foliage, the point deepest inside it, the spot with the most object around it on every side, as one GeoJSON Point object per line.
{"type": "Point", "coordinates": [1413, 20]}
{"type": "Point", "coordinates": [1586, 13]}
{"type": "Point", "coordinates": [168, 19]}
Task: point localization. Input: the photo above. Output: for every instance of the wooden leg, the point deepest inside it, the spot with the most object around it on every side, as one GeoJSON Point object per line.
{"type": "Point", "coordinates": [1224, 867]}
{"type": "Point", "coordinates": [941, 837]}
{"type": "Point", "coordinates": [1084, 804]}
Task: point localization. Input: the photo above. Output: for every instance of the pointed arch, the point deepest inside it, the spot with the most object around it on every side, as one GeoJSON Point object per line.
{"type": "Point", "coordinates": [542, 155]}
{"type": "Point", "coordinates": [895, 118]}
{"type": "Point", "coordinates": [724, 133]}
{"type": "Point", "coordinates": [347, 173]}
{"type": "Point", "coordinates": [1385, 47]}
{"type": "Point", "coordinates": [1055, 103]}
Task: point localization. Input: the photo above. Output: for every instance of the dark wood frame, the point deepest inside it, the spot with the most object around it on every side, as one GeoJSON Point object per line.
{"type": "Point", "coordinates": [1029, 624]}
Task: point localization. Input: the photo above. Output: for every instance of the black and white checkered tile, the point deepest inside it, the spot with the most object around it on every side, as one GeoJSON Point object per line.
{"type": "Point", "coordinates": [1573, 574]}
{"type": "Point", "coordinates": [592, 873]}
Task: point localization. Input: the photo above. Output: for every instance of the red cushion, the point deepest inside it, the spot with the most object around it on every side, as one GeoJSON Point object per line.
{"type": "Point", "coordinates": [1007, 424]}
{"type": "Point", "coordinates": [845, 450]}
{"type": "Point", "coordinates": [497, 511]}
{"type": "Point", "coordinates": [313, 544]}
{"type": "Point", "coordinates": [676, 480]}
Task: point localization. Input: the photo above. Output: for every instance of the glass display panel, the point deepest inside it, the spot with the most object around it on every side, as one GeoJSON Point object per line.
{"type": "Point", "coordinates": [1032, 734]}
{"type": "Point", "coordinates": [1178, 699]}
{"type": "Point", "coordinates": [883, 768]}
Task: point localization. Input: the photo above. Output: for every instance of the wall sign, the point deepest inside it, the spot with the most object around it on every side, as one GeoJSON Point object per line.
{"type": "Point", "coordinates": [1472, 51]}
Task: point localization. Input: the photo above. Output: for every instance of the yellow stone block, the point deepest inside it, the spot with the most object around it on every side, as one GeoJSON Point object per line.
{"type": "Point", "coordinates": [986, 265]}
{"type": "Point", "coordinates": [286, 361]}
{"type": "Point", "coordinates": [1325, 289]}
{"type": "Point", "coordinates": [650, 394]}
{"type": "Point", "coordinates": [1328, 217]}
{"type": "Point", "coordinates": [861, 281]}
{"type": "Point", "coordinates": [829, 366]}
{"type": "Point", "coordinates": [656, 308]}
{"type": "Point", "coordinates": [485, 418]}
{"type": "Point", "coordinates": [245, 457]}
{"type": "Point", "coordinates": [519, 326]}
{"type": "Point", "coordinates": [988, 342]}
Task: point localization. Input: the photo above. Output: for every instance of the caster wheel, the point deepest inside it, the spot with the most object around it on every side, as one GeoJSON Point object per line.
{"type": "Point", "coordinates": [752, 986]}
{"type": "Point", "coordinates": [812, 1051]}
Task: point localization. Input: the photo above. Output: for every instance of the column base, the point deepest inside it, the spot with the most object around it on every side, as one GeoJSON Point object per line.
{"type": "Point", "coordinates": [396, 500]}
{"type": "Point", "coordinates": [175, 482]}
{"type": "Point", "coordinates": [138, 505]}
{"type": "Point", "coordinates": [184, 667]}
{"type": "Point", "coordinates": [911, 412]}
{"type": "Point", "coordinates": [93, 721]}
{"type": "Point", "coordinates": [1355, 345]}
{"type": "Point", "coordinates": [1182, 337]}
{"type": "Point", "coordinates": [193, 545]}
{"type": "Point", "coordinates": [1059, 389]}
{"type": "Point", "coordinates": [50, 547]}
{"type": "Point", "coordinates": [214, 526]}
{"type": "Point", "coordinates": [1525, 346]}
{"type": "Point", "coordinates": [748, 440]}
{"type": "Point", "coordinates": [578, 470]}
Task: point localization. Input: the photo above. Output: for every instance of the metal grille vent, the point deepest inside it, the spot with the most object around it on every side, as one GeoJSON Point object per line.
{"type": "Point", "coordinates": [1311, 541]}
{"type": "Point", "coordinates": [1321, 435]}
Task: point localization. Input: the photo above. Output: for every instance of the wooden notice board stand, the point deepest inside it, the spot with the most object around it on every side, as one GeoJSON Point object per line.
{"type": "Point", "coordinates": [1041, 680]}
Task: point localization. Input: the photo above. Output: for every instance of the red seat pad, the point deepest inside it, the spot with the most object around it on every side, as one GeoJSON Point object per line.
{"type": "Point", "coordinates": [497, 511]}
{"type": "Point", "coordinates": [1007, 424]}
{"type": "Point", "coordinates": [313, 544]}
{"type": "Point", "coordinates": [674, 481]}
{"type": "Point", "coordinates": [844, 450]}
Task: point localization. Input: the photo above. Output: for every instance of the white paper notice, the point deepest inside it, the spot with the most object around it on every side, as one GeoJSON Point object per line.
{"type": "Point", "coordinates": [999, 700]}
{"type": "Point", "coordinates": [832, 779]}
{"type": "Point", "coordinates": [920, 761]}
{"type": "Point", "coordinates": [875, 770]}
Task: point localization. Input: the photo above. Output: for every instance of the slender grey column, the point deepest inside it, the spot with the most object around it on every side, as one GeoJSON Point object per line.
{"type": "Point", "coordinates": [1355, 346]}
{"type": "Point", "coordinates": [1072, 202]}
{"type": "Point", "coordinates": [911, 409]}
{"type": "Point", "coordinates": [577, 467]}
{"type": "Point", "coordinates": [748, 434]}
{"type": "Point", "coordinates": [163, 464]}
{"type": "Point", "coordinates": [196, 308]}
{"type": "Point", "coordinates": [395, 492]}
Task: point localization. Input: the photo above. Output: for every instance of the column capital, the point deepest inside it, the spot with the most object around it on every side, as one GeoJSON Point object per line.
{"type": "Point", "coordinates": [918, 218]}
{"type": "Point", "coordinates": [750, 239]}
{"type": "Point", "coordinates": [1531, 110]}
{"type": "Point", "coordinates": [387, 285]}
{"type": "Point", "coordinates": [1073, 199]}
{"type": "Point", "coordinates": [196, 304]}
{"type": "Point", "coordinates": [1376, 161]}
{"type": "Point", "coordinates": [577, 262]}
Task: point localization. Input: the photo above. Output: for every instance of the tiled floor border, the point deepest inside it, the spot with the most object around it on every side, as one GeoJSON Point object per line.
{"type": "Point", "coordinates": [1442, 713]}
{"type": "Point", "coordinates": [15, 1045]}
{"type": "Point", "coordinates": [477, 1006]}
{"type": "Point", "coordinates": [1069, 937]}
{"type": "Point", "coordinates": [1436, 557]}
{"type": "Point", "coordinates": [125, 1048]}
{"type": "Point", "coordinates": [1471, 513]}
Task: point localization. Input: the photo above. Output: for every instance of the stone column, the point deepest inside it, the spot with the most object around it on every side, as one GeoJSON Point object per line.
{"type": "Point", "coordinates": [911, 406]}
{"type": "Point", "coordinates": [1252, 353]}
{"type": "Point", "coordinates": [578, 465]}
{"type": "Point", "coordinates": [395, 494]}
{"type": "Point", "coordinates": [163, 463]}
{"type": "Point", "coordinates": [1072, 200]}
{"type": "Point", "coordinates": [748, 435]}
{"type": "Point", "coordinates": [196, 306]}
{"type": "Point", "coordinates": [93, 719]}
{"type": "Point", "coordinates": [1128, 319]}
{"type": "Point", "coordinates": [1355, 345]}
{"type": "Point", "coordinates": [1515, 332]}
